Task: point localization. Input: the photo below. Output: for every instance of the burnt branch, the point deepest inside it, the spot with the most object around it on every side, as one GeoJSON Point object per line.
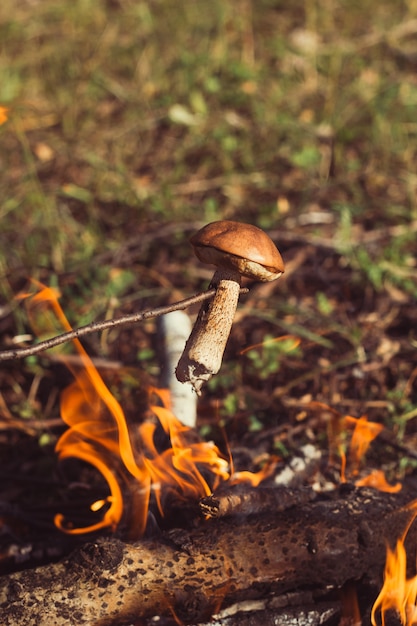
{"type": "Point", "coordinates": [195, 573]}
{"type": "Point", "coordinates": [240, 500]}
{"type": "Point", "coordinates": [94, 327]}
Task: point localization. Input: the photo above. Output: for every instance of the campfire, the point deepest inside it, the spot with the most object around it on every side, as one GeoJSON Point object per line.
{"type": "Point", "coordinates": [180, 535]}
{"type": "Point", "coordinates": [186, 470]}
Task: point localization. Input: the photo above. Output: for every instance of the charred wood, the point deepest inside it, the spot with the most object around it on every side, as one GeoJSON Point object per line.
{"type": "Point", "coordinates": [239, 500]}
{"type": "Point", "coordinates": [195, 573]}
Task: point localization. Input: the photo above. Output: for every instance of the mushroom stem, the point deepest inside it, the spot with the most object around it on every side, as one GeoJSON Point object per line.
{"type": "Point", "coordinates": [203, 352]}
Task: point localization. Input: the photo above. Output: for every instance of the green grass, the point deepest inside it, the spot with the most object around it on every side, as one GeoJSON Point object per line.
{"type": "Point", "coordinates": [137, 100]}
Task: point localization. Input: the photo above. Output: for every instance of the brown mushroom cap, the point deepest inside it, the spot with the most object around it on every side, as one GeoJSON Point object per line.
{"type": "Point", "coordinates": [242, 247]}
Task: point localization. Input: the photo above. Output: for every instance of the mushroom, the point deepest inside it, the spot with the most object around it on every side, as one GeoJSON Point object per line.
{"type": "Point", "coordinates": [237, 250]}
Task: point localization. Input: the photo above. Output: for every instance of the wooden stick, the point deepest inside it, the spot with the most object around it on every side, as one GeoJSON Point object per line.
{"type": "Point", "coordinates": [77, 333]}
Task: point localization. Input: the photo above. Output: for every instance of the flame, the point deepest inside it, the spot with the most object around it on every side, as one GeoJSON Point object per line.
{"type": "Point", "coordinates": [377, 480]}
{"type": "Point", "coordinates": [98, 429]}
{"type": "Point", "coordinates": [398, 592]}
{"type": "Point", "coordinates": [177, 467]}
{"type": "Point", "coordinates": [129, 458]}
{"type": "Point", "coordinates": [3, 114]}
{"type": "Point", "coordinates": [363, 433]}
{"type": "Point", "coordinates": [254, 478]}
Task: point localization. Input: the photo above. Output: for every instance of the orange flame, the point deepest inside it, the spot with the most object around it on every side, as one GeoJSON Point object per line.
{"type": "Point", "coordinates": [377, 480]}
{"type": "Point", "coordinates": [3, 115]}
{"type": "Point", "coordinates": [363, 433]}
{"type": "Point", "coordinates": [128, 459]}
{"type": "Point", "coordinates": [98, 429]}
{"type": "Point", "coordinates": [398, 592]}
{"type": "Point", "coordinates": [254, 478]}
{"type": "Point", "coordinates": [176, 469]}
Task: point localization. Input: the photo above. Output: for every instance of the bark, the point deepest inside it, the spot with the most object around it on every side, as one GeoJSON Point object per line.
{"type": "Point", "coordinates": [194, 573]}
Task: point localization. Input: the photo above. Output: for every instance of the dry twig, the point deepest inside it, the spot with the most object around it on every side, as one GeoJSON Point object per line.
{"type": "Point", "coordinates": [77, 333]}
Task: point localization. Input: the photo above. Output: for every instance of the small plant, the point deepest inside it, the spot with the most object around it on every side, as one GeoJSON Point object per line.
{"type": "Point", "coordinates": [383, 262]}
{"type": "Point", "coordinates": [265, 359]}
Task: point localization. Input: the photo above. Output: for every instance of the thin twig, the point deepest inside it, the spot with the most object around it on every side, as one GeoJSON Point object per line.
{"type": "Point", "coordinates": [133, 318]}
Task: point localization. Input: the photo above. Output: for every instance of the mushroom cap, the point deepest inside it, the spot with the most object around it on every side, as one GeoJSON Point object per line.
{"type": "Point", "coordinates": [241, 247]}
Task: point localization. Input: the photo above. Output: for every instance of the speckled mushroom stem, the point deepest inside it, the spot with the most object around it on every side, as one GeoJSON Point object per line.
{"type": "Point", "coordinates": [203, 352]}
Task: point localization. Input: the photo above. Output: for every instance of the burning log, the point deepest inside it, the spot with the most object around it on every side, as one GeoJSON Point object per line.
{"type": "Point", "coordinates": [192, 573]}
